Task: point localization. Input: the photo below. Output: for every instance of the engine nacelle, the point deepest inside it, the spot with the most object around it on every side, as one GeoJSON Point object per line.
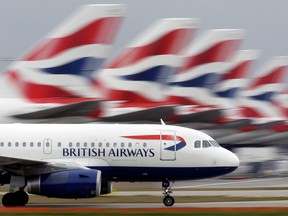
{"type": "Point", "coordinates": [66, 184]}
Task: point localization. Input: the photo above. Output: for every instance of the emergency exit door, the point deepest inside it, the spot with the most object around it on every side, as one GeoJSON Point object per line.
{"type": "Point", "coordinates": [47, 146]}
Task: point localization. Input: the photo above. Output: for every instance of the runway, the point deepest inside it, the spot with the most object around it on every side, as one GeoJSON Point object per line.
{"type": "Point", "coordinates": [206, 205]}
{"type": "Point", "coordinates": [274, 189]}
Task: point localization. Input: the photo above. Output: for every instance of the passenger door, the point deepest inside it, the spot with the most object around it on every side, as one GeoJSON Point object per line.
{"type": "Point", "coordinates": [167, 145]}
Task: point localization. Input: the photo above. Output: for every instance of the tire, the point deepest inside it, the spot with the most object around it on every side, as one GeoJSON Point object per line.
{"type": "Point", "coordinates": [8, 199]}
{"type": "Point", "coordinates": [168, 201]}
{"type": "Point", "coordinates": [21, 198]}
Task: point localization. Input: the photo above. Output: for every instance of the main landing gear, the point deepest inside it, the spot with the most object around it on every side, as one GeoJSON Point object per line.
{"type": "Point", "coordinates": [18, 198]}
{"type": "Point", "coordinates": [167, 200]}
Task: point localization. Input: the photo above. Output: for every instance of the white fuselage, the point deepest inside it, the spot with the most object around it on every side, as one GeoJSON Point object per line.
{"type": "Point", "coordinates": [121, 152]}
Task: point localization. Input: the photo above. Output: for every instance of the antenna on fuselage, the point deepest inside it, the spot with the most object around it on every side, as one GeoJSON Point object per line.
{"type": "Point", "coordinates": [162, 122]}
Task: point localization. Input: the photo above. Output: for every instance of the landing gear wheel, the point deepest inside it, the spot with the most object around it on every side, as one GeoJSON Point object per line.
{"type": "Point", "coordinates": [8, 199]}
{"type": "Point", "coordinates": [21, 198]}
{"type": "Point", "coordinates": [168, 201]}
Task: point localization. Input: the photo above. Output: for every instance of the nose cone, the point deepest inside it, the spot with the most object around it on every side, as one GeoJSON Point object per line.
{"type": "Point", "coordinates": [232, 160]}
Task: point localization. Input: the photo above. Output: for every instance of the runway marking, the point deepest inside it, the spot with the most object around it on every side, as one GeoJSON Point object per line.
{"type": "Point", "coordinates": [227, 183]}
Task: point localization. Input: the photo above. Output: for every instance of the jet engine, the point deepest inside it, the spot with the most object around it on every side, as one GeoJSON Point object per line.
{"type": "Point", "coordinates": [66, 184]}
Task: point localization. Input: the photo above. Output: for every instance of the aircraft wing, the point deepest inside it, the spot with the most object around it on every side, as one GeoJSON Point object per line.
{"type": "Point", "coordinates": [26, 166]}
{"type": "Point", "coordinates": [83, 108]}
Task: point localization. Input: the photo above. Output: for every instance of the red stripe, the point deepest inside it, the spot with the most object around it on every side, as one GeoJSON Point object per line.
{"type": "Point", "coordinates": [250, 112]}
{"type": "Point", "coordinates": [171, 43]}
{"type": "Point", "coordinates": [154, 137]}
{"type": "Point", "coordinates": [39, 93]}
{"type": "Point", "coordinates": [275, 76]}
{"type": "Point", "coordinates": [220, 52]}
{"type": "Point", "coordinates": [143, 105]}
{"type": "Point", "coordinates": [183, 101]}
{"type": "Point", "coordinates": [240, 71]}
{"type": "Point", "coordinates": [101, 31]}
{"type": "Point", "coordinates": [187, 101]}
{"type": "Point", "coordinates": [114, 95]}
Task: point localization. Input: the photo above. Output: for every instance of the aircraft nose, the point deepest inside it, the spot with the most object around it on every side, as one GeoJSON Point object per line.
{"type": "Point", "coordinates": [232, 160]}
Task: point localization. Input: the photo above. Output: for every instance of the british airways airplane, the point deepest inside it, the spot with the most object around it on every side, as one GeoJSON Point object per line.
{"type": "Point", "coordinates": [81, 160]}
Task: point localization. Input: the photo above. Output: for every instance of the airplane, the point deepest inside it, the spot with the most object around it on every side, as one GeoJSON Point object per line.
{"type": "Point", "coordinates": [52, 79]}
{"type": "Point", "coordinates": [82, 160]}
{"type": "Point", "coordinates": [203, 64]}
{"type": "Point", "coordinates": [133, 80]}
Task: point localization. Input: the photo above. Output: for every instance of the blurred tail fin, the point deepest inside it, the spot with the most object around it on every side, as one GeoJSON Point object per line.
{"type": "Point", "coordinates": [60, 64]}
{"type": "Point", "coordinates": [137, 73]}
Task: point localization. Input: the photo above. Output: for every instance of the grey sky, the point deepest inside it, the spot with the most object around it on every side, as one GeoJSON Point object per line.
{"type": "Point", "coordinates": [24, 22]}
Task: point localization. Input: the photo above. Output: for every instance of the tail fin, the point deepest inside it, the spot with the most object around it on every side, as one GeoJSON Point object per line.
{"type": "Point", "coordinates": [263, 89]}
{"type": "Point", "coordinates": [136, 74]}
{"type": "Point", "coordinates": [235, 78]}
{"type": "Point", "coordinates": [231, 83]}
{"type": "Point", "coordinates": [59, 66]}
{"type": "Point", "coordinates": [281, 101]}
{"type": "Point", "coordinates": [203, 66]}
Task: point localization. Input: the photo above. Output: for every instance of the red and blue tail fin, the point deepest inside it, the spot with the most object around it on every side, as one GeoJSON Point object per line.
{"type": "Point", "coordinates": [138, 72]}
{"type": "Point", "coordinates": [236, 76]}
{"type": "Point", "coordinates": [263, 88]}
{"type": "Point", "coordinates": [204, 63]}
{"type": "Point", "coordinates": [58, 68]}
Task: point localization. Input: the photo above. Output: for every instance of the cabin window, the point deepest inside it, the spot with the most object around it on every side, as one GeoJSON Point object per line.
{"type": "Point", "coordinates": [85, 144]}
{"type": "Point", "coordinates": [31, 144]}
{"type": "Point", "coordinates": [100, 144]}
{"type": "Point", "coordinates": [214, 143]}
{"type": "Point", "coordinates": [197, 144]}
{"type": "Point", "coordinates": [144, 145]}
{"type": "Point", "coordinates": [114, 145]}
{"type": "Point", "coordinates": [24, 144]}
{"type": "Point", "coordinates": [77, 144]}
{"type": "Point", "coordinates": [2, 144]}
{"type": "Point", "coordinates": [122, 145]}
{"type": "Point", "coordinates": [107, 144]}
{"type": "Point", "coordinates": [129, 145]}
{"type": "Point", "coordinates": [59, 144]}
{"type": "Point", "coordinates": [92, 144]}
{"type": "Point", "coordinates": [70, 144]}
{"type": "Point", "coordinates": [206, 144]}
{"type": "Point", "coordinates": [16, 144]}
{"type": "Point", "coordinates": [9, 144]}
{"type": "Point", "coordinates": [38, 144]}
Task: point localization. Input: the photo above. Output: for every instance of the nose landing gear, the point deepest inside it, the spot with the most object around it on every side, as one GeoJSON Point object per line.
{"type": "Point", "coordinates": [167, 200]}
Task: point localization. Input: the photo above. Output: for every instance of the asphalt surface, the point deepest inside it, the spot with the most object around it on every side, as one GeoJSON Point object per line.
{"type": "Point", "coordinates": [260, 187]}
{"type": "Point", "coordinates": [160, 205]}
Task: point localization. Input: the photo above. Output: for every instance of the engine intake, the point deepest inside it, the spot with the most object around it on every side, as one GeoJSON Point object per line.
{"type": "Point", "coordinates": [66, 184]}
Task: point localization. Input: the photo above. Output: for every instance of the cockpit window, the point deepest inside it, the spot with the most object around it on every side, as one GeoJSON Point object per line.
{"type": "Point", "coordinates": [197, 144]}
{"type": "Point", "coordinates": [206, 144]}
{"type": "Point", "coordinates": [214, 143]}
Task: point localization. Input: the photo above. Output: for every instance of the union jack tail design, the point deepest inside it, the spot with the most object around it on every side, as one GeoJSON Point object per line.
{"type": "Point", "coordinates": [257, 98]}
{"type": "Point", "coordinates": [232, 82]}
{"type": "Point", "coordinates": [204, 64]}
{"type": "Point", "coordinates": [138, 72]}
{"type": "Point", "coordinates": [58, 68]}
